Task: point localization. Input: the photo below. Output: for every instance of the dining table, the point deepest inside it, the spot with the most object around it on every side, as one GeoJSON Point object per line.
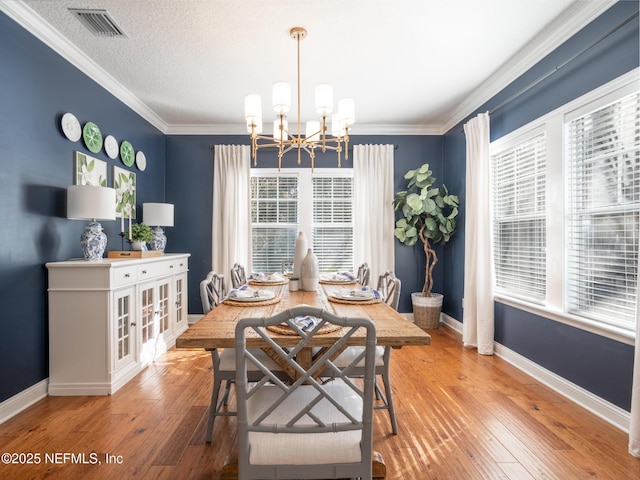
{"type": "Point", "coordinates": [217, 328]}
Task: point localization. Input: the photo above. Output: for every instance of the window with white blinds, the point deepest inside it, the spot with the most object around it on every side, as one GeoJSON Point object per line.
{"type": "Point", "coordinates": [333, 222]}
{"type": "Point", "coordinates": [320, 204]}
{"type": "Point", "coordinates": [519, 225]}
{"type": "Point", "coordinates": [566, 211]}
{"type": "Point", "coordinates": [274, 221]}
{"type": "Point", "coordinates": [603, 149]}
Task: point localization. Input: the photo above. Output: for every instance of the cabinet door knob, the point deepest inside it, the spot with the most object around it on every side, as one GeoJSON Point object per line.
{"type": "Point", "coordinates": [127, 275]}
{"type": "Point", "coordinates": [133, 324]}
{"type": "Point", "coordinates": [144, 272]}
{"type": "Point", "coordinates": [170, 266]}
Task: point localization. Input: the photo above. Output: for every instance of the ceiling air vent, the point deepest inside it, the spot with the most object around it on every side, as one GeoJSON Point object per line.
{"type": "Point", "coordinates": [99, 22]}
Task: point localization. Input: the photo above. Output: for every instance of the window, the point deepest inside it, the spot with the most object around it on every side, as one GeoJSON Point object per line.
{"type": "Point", "coordinates": [319, 204]}
{"type": "Point", "coordinates": [603, 150]}
{"type": "Point", "coordinates": [566, 211]}
{"type": "Point", "coordinates": [519, 218]}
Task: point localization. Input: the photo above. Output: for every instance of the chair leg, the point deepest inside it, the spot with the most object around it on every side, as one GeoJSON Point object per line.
{"type": "Point", "coordinates": [390, 405]}
{"type": "Point", "coordinates": [213, 408]}
{"type": "Point", "coordinates": [225, 397]}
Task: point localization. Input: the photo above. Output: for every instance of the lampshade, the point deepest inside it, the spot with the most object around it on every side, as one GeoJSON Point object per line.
{"type": "Point", "coordinates": [281, 97]}
{"type": "Point", "coordinates": [253, 108]}
{"type": "Point", "coordinates": [158, 214]}
{"type": "Point", "coordinates": [87, 202]}
{"type": "Point", "coordinates": [346, 110]}
{"type": "Point", "coordinates": [324, 98]}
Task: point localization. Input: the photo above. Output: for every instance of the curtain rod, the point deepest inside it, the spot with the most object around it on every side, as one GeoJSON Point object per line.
{"type": "Point", "coordinates": [563, 64]}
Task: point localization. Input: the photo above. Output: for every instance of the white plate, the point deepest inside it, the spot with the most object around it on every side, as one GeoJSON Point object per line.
{"type": "Point", "coordinates": [141, 160]}
{"type": "Point", "coordinates": [111, 147]}
{"type": "Point", "coordinates": [269, 279]}
{"type": "Point", "coordinates": [71, 127]}
{"type": "Point", "coordinates": [263, 295]}
{"type": "Point", "coordinates": [346, 295]}
{"type": "Point", "coordinates": [336, 279]}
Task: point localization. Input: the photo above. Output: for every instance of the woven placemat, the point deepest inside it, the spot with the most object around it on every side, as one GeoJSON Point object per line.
{"type": "Point", "coordinates": [337, 282]}
{"type": "Point", "coordinates": [261, 303]}
{"type": "Point", "coordinates": [287, 330]}
{"type": "Point", "coordinates": [369, 301]}
{"type": "Point", "coordinates": [264, 284]}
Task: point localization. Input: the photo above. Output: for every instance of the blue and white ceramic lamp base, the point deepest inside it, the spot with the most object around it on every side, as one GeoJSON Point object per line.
{"type": "Point", "coordinates": [93, 241]}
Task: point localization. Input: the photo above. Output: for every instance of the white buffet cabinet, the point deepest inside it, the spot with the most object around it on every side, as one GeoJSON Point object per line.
{"type": "Point", "coordinates": [111, 318]}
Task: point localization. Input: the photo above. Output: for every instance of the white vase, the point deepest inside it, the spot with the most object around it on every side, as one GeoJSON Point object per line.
{"type": "Point", "coordinates": [299, 253]}
{"type": "Point", "coordinates": [310, 273]}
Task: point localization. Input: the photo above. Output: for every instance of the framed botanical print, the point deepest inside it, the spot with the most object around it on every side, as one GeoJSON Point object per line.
{"type": "Point", "coordinates": [124, 183]}
{"type": "Point", "coordinates": [88, 170]}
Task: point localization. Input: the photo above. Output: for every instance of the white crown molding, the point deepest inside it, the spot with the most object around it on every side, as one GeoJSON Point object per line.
{"type": "Point", "coordinates": [572, 20]}
{"type": "Point", "coordinates": [579, 14]}
{"type": "Point", "coordinates": [34, 24]}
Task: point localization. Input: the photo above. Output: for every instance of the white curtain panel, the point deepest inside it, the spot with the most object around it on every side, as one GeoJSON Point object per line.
{"type": "Point", "coordinates": [478, 320]}
{"type": "Point", "coordinates": [373, 208]}
{"type": "Point", "coordinates": [231, 230]}
{"type": "Point", "coordinates": [634, 428]}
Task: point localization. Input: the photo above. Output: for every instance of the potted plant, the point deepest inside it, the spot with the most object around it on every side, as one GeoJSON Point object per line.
{"type": "Point", "coordinates": [428, 215]}
{"type": "Point", "coordinates": [141, 234]}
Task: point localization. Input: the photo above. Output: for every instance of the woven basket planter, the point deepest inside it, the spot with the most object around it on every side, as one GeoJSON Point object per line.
{"type": "Point", "coordinates": [426, 310]}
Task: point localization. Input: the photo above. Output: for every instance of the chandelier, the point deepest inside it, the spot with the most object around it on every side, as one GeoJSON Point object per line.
{"type": "Point", "coordinates": [315, 131]}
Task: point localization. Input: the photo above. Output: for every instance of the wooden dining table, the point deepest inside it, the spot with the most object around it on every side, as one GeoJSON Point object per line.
{"type": "Point", "coordinates": [217, 328]}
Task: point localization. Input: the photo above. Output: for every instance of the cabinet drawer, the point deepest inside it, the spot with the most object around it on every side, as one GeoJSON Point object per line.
{"type": "Point", "coordinates": [177, 266]}
{"type": "Point", "coordinates": [124, 275]}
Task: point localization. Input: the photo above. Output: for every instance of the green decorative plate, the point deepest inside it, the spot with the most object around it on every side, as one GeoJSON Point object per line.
{"type": "Point", "coordinates": [92, 137]}
{"type": "Point", "coordinates": [126, 153]}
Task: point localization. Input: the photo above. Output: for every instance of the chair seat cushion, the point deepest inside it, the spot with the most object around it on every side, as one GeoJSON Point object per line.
{"type": "Point", "coordinates": [228, 360]}
{"type": "Point", "coordinates": [350, 353]}
{"type": "Point", "coordinates": [305, 448]}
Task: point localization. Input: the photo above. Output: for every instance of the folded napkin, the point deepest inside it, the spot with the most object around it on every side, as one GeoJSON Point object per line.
{"type": "Point", "coordinates": [245, 291]}
{"type": "Point", "coordinates": [265, 277]}
{"type": "Point", "coordinates": [338, 276]}
{"type": "Point", "coordinates": [306, 322]}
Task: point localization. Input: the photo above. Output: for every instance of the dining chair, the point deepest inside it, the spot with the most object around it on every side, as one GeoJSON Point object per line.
{"type": "Point", "coordinates": [238, 275]}
{"type": "Point", "coordinates": [389, 286]}
{"type": "Point", "coordinates": [306, 429]}
{"type": "Point", "coordinates": [212, 293]}
{"type": "Point", "coordinates": [363, 274]}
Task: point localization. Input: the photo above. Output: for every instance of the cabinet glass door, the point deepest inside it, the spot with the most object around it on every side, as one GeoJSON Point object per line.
{"type": "Point", "coordinates": [124, 328]}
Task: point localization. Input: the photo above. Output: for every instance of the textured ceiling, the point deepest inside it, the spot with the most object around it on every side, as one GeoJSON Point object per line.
{"type": "Point", "coordinates": [412, 66]}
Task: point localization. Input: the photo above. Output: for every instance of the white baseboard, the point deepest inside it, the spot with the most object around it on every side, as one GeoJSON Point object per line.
{"type": "Point", "coordinates": [23, 400]}
{"type": "Point", "coordinates": [609, 412]}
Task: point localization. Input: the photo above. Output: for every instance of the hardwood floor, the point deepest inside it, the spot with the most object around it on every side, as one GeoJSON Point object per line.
{"type": "Point", "coordinates": [460, 416]}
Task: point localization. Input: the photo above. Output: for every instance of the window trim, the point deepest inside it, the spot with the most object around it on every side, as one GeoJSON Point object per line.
{"type": "Point", "coordinates": [305, 202]}
{"type": "Point", "coordinates": [554, 123]}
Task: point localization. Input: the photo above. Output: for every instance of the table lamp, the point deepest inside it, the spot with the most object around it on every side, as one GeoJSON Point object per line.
{"type": "Point", "coordinates": [158, 215]}
{"type": "Point", "coordinates": [87, 202]}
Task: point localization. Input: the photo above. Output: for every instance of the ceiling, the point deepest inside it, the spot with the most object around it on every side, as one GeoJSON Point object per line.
{"type": "Point", "coordinates": [412, 66]}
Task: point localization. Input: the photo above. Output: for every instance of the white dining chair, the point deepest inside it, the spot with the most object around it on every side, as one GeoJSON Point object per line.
{"type": "Point", "coordinates": [212, 293]}
{"type": "Point", "coordinates": [364, 272]}
{"type": "Point", "coordinates": [307, 429]}
{"type": "Point", "coordinates": [238, 275]}
{"type": "Point", "coordinates": [389, 286]}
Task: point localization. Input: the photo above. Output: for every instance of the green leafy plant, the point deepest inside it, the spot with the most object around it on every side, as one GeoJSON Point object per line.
{"type": "Point", "coordinates": [428, 215]}
{"type": "Point", "coordinates": [141, 232]}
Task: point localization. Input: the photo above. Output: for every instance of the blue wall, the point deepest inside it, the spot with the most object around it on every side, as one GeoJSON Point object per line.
{"type": "Point", "coordinates": [36, 87]}
{"type": "Point", "coordinates": [598, 364]}
{"type": "Point", "coordinates": [190, 187]}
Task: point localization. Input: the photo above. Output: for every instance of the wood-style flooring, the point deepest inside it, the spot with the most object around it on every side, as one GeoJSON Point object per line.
{"type": "Point", "coordinates": [460, 416]}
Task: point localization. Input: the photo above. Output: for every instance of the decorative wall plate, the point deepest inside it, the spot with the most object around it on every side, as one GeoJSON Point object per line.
{"type": "Point", "coordinates": [92, 137]}
{"type": "Point", "coordinates": [126, 153]}
{"type": "Point", "coordinates": [71, 127]}
{"type": "Point", "coordinates": [111, 146]}
{"type": "Point", "coordinates": [141, 160]}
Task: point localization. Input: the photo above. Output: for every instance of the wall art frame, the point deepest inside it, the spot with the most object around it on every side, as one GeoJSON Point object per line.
{"type": "Point", "coordinates": [88, 170]}
{"type": "Point", "coordinates": [124, 183]}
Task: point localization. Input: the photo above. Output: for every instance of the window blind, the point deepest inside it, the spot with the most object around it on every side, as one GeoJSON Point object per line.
{"type": "Point", "coordinates": [519, 225]}
{"type": "Point", "coordinates": [603, 149]}
{"type": "Point", "coordinates": [274, 219]}
{"type": "Point", "coordinates": [333, 222]}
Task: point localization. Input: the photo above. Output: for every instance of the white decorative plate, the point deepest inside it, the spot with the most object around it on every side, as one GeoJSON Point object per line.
{"type": "Point", "coordinates": [111, 146]}
{"type": "Point", "coordinates": [344, 294]}
{"type": "Point", "coordinates": [141, 160]}
{"type": "Point", "coordinates": [71, 127]}
{"type": "Point", "coordinates": [262, 295]}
